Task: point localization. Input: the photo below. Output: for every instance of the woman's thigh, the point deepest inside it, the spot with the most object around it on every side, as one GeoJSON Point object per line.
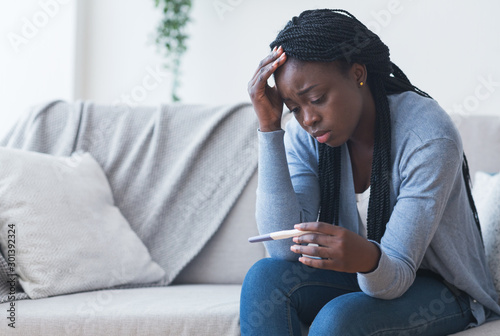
{"type": "Point", "coordinates": [427, 308]}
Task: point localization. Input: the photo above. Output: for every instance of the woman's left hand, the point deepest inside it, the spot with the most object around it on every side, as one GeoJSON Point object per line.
{"type": "Point", "coordinates": [340, 249]}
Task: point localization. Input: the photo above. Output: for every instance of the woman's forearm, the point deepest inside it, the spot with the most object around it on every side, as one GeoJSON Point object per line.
{"type": "Point", "coordinates": [277, 205]}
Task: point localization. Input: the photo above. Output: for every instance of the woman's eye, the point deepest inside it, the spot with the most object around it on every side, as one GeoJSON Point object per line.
{"type": "Point", "coordinates": [294, 110]}
{"type": "Point", "coordinates": [317, 101]}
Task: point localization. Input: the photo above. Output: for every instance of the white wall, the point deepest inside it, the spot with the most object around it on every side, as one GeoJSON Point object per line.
{"type": "Point", "coordinates": [37, 54]}
{"type": "Point", "coordinates": [449, 48]}
{"type": "Point", "coordinates": [119, 59]}
{"type": "Point", "coordinates": [446, 47]}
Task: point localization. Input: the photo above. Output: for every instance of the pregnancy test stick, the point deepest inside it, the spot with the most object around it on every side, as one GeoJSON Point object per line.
{"type": "Point", "coordinates": [278, 235]}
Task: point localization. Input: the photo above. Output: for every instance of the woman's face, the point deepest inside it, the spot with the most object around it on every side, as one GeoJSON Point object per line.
{"type": "Point", "coordinates": [327, 102]}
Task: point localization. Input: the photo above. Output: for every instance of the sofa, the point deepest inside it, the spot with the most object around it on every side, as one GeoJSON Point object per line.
{"type": "Point", "coordinates": [203, 299]}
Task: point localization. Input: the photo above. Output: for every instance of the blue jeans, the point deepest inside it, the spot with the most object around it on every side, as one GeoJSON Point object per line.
{"type": "Point", "coordinates": [277, 296]}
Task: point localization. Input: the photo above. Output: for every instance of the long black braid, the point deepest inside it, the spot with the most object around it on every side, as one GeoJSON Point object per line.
{"type": "Point", "coordinates": [327, 35]}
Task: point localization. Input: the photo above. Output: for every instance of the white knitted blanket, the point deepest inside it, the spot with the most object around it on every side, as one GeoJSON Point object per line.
{"type": "Point", "coordinates": [175, 170]}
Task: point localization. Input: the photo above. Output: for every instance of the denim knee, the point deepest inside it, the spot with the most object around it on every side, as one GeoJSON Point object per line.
{"type": "Point", "coordinates": [284, 275]}
{"type": "Point", "coordinates": [261, 269]}
{"type": "Point", "coordinates": [341, 316]}
{"type": "Point", "coordinates": [262, 297]}
{"type": "Point", "coordinates": [265, 279]}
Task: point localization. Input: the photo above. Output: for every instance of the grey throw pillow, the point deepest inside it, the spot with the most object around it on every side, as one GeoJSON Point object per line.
{"type": "Point", "coordinates": [60, 229]}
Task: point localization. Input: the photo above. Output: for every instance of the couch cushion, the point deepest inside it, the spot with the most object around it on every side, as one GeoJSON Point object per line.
{"type": "Point", "coordinates": [175, 310]}
{"type": "Point", "coordinates": [226, 258]}
{"type": "Point", "coordinates": [61, 230]}
{"type": "Point", "coordinates": [486, 194]}
{"type": "Point", "coordinates": [481, 141]}
{"type": "Point", "coordinates": [487, 329]}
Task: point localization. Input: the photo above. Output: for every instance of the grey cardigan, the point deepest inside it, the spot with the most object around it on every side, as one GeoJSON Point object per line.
{"type": "Point", "coordinates": [431, 224]}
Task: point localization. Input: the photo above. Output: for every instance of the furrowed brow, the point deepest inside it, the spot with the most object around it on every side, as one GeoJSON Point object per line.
{"type": "Point", "coordinates": [302, 92]}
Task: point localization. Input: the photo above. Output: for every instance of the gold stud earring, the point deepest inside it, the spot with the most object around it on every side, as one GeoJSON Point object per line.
{"type": "Point", "coordinates": [361, 83]}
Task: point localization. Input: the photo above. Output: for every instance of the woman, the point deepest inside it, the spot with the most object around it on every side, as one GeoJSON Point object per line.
{"type": "Point", "coordinates": [378, 158]}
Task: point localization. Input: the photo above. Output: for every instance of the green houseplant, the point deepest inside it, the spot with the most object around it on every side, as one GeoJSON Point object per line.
{"type": "Point", "coordinates": [171, 36]}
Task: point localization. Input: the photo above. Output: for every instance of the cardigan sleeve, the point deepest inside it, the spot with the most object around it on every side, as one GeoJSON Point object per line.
{"type": "Point", "coordinates": [288, 189]}
{"type": "Point", "coordinates": [428, 176]}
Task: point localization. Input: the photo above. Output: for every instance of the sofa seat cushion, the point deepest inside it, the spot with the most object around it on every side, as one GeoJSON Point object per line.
{"type": "Point", "coordinates": [178, 310]}
{"type": "Point", "coordinates": [175, 310]}
{"type": "Point", "coordinates": [487, 329]}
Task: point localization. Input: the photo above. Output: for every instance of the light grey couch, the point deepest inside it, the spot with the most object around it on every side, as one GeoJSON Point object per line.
{"type": "Point", "coordinates": [204, 299]}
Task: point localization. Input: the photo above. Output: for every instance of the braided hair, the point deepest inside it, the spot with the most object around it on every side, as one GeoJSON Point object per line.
{"type": "Point", "coordinates": [327, 35]}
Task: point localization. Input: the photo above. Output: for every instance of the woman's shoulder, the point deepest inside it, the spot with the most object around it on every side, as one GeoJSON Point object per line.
{"type": "Point", "coordinates": [420, 120]}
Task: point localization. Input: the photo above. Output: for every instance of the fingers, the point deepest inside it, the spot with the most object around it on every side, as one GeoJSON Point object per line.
{"type": "Point", "coordinates": [340, 249]}
{"type": "Point", "coordinates": [268, 59]}
{"type": "Point", "coordinates": [315, 251]}
{"type": "Point", "coordinates": [318, 263]}
{"type": "Point", "coordinates": [273, 55]}
{"type": "Point", "coordinates": [267, 102]}
{"type": "Point", "coordinates": [327, 260]}
{"type": "Point", "coordinates": [267, 67]}
{"type": "Point", "coordinates": [320, 239]}
{"type": "Point", "coordinates": [320, 227]}
{"type": "Point", "coordinates": [324, 242]}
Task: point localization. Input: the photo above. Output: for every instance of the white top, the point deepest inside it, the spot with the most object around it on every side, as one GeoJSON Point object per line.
{"type": "Point", "coordinates": [362, 200]}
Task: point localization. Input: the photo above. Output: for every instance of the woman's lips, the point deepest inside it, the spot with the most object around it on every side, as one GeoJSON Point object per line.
{"type": "Point", "coordinates": [323, 136]}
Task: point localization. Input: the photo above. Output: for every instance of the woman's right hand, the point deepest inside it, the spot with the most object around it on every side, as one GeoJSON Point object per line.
{"type": "Point", "coordinates": [266, 100]}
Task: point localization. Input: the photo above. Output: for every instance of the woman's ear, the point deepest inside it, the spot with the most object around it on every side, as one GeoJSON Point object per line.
{"type": "Point", "coordinates": [360, 74]}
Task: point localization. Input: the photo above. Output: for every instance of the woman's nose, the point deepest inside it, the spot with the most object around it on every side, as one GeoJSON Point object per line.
{"type": "Point", "coordinates": [310, 117]}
